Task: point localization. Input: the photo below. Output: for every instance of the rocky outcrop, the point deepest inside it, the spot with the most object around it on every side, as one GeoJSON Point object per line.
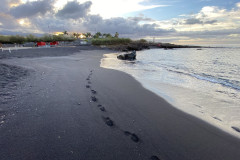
{"type": "Point", "coordinates": [128, 56]}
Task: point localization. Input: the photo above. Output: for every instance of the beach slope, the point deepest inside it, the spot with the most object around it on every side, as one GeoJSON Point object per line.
{"type": "Point", "coordinates": [70, 108]}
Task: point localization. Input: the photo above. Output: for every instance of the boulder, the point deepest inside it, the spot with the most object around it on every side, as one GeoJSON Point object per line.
{"type": "Point", "coordinates": [128, 56]}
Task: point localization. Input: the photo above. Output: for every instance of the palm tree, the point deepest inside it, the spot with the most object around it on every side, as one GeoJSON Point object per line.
{"type": "Point", "coordinates": [75, 34]}
{"type": "Point", "coordinates": [65, 32]}
{"type": "Point", "coordinates": [88, 35]}
{"type": "Point", "coordinates": [116, 35]}
{"type": "Point", "coordinates": [97, 35]}
{"type": "Point", "coordinates": [108, 35]}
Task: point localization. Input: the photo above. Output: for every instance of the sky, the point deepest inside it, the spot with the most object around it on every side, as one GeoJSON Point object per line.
{"type": "Point", "coordinates": [175, 21]}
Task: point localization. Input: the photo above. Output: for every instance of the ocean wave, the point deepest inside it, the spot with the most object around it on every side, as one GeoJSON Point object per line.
{"type": "Point", "coordinates": [206, 77]}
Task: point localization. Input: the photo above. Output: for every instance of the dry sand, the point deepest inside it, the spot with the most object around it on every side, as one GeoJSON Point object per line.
{"type": "Point", "coordinates": [68, 108]}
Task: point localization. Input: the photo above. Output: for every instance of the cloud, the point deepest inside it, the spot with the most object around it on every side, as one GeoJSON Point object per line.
{"type": "Point", "coordinates": [118, 8]}
{"type": "Point", "coordinates": [193, 21]}
{"type": "Point", "coordinates": [30, 9]}
{"type": "Point", "coordinates": [238, 5]}
{"type": "Point", "coordinates": [8, 22]}
{"type": "Point", "coordinates": [40, 16]}
{"type": "Point", "coordinates": [211, 22]}
{"type": "Point", "coordinates": [74, 10]}
{"type": "Point", "coordinates": [6, 4]}
{"type": "Point", "coordinates": [125, 27]}
{"type": "Point", "coordinates": [141, 19]}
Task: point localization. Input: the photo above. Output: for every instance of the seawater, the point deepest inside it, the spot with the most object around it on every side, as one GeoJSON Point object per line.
{"type": "Point", "coordinates": [204, 83]}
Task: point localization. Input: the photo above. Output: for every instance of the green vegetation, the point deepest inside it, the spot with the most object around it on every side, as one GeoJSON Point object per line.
{"type": "Point", "coordinates": [31, 38]}
{"type": "Point", "coordinates": [110, 41]}
{"type": "Point", "coordinates": [97, 35]}
{"type": "Point", "coordinates": [4, 39]}
{"type": "Point", "coordinates": [97, 39]}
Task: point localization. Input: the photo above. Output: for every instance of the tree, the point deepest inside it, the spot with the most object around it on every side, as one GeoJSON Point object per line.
{"type": "Point", "coordinates": [31, 38]}
{"type": "Point", "coordinates": [4, 39]}
{"type": "Point", "coordinates": [108, 35]}
{"type": "Point", "coordinates": [97, 35]}
{"type": "Point", "coordinates": [65, 32]}
{"type": "Point", "coordinates": [116, 35]}
{"type": "Point", "coordinates": [17, 39]}
{"type": "Point", "coordinates": [46, 38]}
{"type": "Point", "coordinates": [88, 35]}
{"type": "Point", "coordinates": [76, 35]}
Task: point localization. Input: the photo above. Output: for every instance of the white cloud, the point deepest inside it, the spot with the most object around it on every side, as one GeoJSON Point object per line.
{"type": "Point", "coordinates": [211, 24]}
{"type": "Point", "coordinates": [238, 4]}
{"type": "Point", "coordinates": [113, 8]}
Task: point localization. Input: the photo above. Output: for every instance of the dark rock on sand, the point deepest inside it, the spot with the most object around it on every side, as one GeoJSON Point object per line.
{"type": "Point", "coordinates": [236, 129]}
{"type": "Point", "coordinates": [128, 56]}
{"type": "Point", "coordinates": [154, 158]}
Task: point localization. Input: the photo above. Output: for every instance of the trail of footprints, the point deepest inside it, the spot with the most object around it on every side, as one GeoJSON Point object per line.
{"type": "Point", "coordinates": [108, 121]}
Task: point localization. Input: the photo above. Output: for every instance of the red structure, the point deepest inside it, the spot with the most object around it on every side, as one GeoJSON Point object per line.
{"type": "Point", "coordinates": [54, 43]}
{"type": "Point", "coordinates": [39, 44]}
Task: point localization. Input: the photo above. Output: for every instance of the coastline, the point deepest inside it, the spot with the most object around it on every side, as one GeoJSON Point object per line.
{"type": "Point", "coordinates": [68, 119]}
{"type": "Point", "coordinates": [188, 99]}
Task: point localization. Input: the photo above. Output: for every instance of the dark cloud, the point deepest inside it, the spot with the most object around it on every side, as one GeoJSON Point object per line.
{"type": "Point", "coordinates": [209, 34]}
{"type": "Point", "coordinates": [74, 10]}
{"type": "Point", "coordinates": [19, 32]}
{"type": "Point", "coordinates": [210, 22]}
{"type": "Point", "coordinates": [5, 4]}
{"type": "Point", "coordinates": [140, 18]}
{"type": "Point", "coordinates": [8, 22]}
{"type": "Point", "coordinates": [30, 9]}
{"type": "Point", "coordinates": [193, 21]}
{"type": "Point", "coordinates": [123, 26]}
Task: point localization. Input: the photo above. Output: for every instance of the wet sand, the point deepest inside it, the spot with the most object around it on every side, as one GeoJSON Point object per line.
{"type": "Point", "coordinates": [67, 107]}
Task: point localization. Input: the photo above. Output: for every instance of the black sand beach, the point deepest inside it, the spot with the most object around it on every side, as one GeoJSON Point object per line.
{"type": "Point", "coordinates": [63, 106]}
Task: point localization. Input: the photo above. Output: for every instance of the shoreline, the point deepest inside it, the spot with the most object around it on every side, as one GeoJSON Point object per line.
{"type": "Point", "coordinates": [131, 123]}
{"type": "Point", "coordinates": [161, 89]}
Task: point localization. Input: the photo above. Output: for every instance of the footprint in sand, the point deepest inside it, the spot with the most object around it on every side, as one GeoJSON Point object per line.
{"type": "Point", "coordinates": [133, 136]}
{"type": "Point", "coordinates": [94, 99]}
{"type": "Point", "coordinates": [93, 91]}
{"type": "Point", "coordinates": [108, 121]}
{"type": "Point", "coordinates": [102, 109]}
{"type": "Point", "coordinates": [236, 129]}
{"type": "Point", "coordinates": [217, 119]}
{"type": "Point", "coordinates": [88, 86]}
{"type": "Point", "coordinates": [89, 82]}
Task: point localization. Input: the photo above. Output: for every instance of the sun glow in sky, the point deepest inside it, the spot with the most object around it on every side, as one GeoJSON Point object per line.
{"type": "Point", "coordinates": [21, 21]}
{"type": "Point", "coordinates": [179, 21]}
